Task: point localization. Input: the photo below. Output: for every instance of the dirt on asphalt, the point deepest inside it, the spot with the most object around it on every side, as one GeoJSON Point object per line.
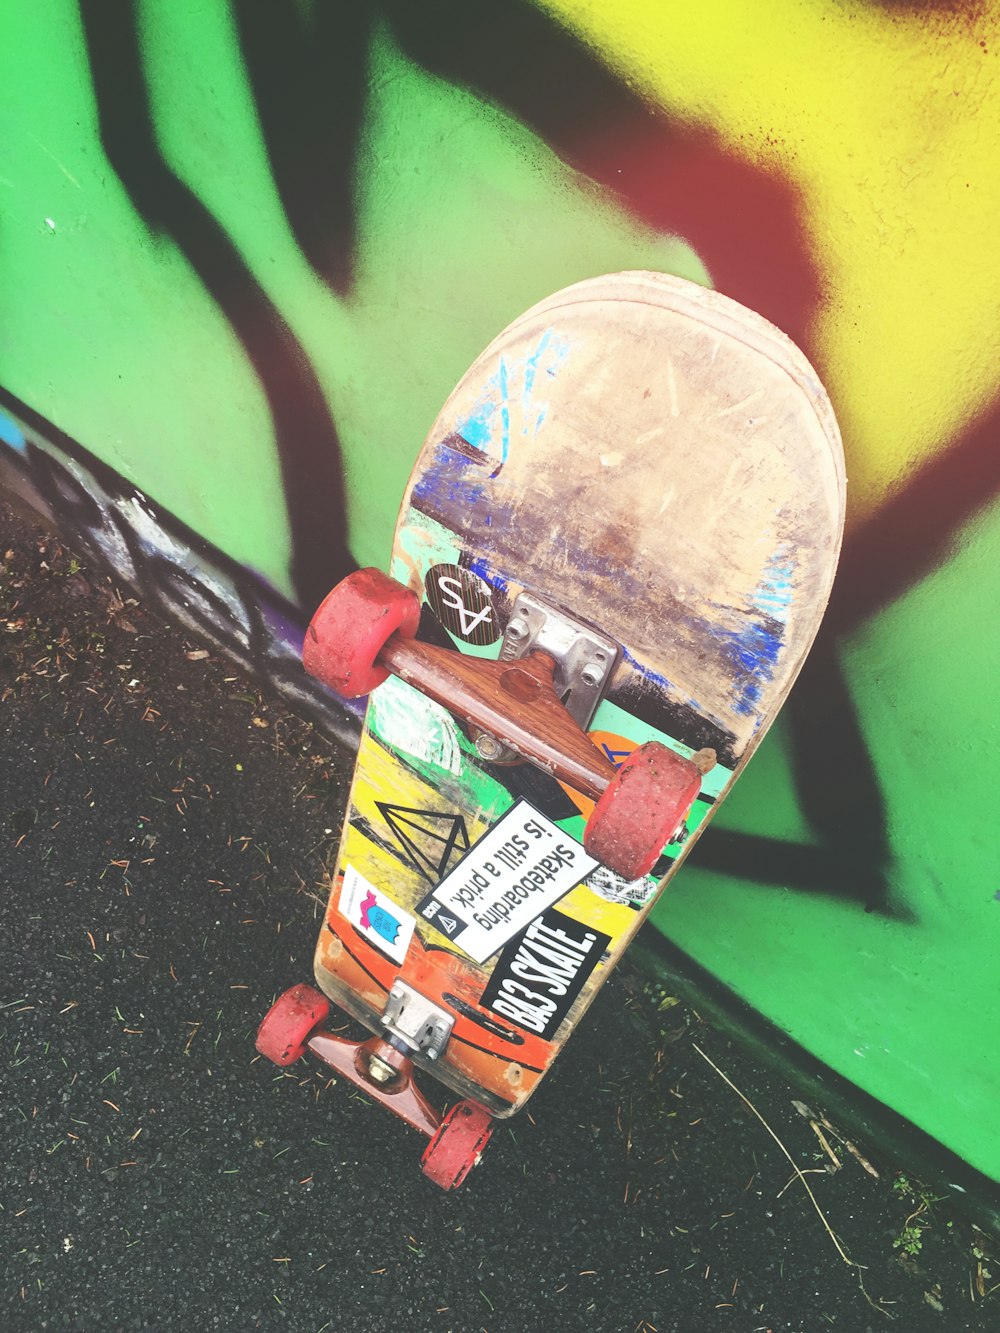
{"type": "Point", "coordinates": [166, 831]}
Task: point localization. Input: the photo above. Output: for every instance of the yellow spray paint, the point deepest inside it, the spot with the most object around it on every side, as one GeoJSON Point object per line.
{"type": "Point", "coordinates": [885, 121]}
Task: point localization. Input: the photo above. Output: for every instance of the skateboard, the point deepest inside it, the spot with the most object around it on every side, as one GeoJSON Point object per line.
{"type": "Point", "coordinates": [611, 559]}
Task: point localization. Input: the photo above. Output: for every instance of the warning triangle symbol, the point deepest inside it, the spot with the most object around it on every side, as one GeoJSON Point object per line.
{"type": "Point", "coordinates": [430, 839]}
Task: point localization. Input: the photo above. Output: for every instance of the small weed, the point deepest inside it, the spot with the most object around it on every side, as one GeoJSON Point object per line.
{"type": "Point", "coordinates": [911, 1239]}
{"type": "Point", "coordinates": [911, 1236]}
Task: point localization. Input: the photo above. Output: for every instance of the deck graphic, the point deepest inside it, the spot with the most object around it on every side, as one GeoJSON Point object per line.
{"type": "Point", "coordinates": [431, 839]}
{"type": "Point", "coordinates": [463, 602]}
{"type": "Point", "coordinates": [538, 976]}
{"type": "Point", "coordinates": [523, 865]}
{"type": "Point", "coordinates": [380, 920]}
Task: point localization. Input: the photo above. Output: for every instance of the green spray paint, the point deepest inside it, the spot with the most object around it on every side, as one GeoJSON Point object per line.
{"type": "Point", "coordinates": [902, 1002]}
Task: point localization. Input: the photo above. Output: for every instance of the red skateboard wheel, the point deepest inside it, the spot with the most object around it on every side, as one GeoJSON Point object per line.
{"type": "Point", "coordinates": [642, 809]}
{"type": "Point", "coordinates": [352, 626]}
{"type": "Point", "coordinates": [290, 1022]}
{"type": "Point", "coordinates": [458, 1144]}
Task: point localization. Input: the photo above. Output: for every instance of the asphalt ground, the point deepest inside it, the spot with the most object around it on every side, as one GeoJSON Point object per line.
{"type": "Point", "coordinates": [165, 833]}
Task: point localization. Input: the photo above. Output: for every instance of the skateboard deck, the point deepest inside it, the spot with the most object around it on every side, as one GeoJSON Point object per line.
{"type": "Point", "coordinates": [644, 481]}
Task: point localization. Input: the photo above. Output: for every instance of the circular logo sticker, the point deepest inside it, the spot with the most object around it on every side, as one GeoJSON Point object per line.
{"type": "Point", "coordinates": [464, 603]}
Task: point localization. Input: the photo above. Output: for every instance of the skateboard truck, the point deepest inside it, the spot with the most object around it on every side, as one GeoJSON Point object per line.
{"type": "Point", "coordinates": [383, 1067]}
{"type": "Point", "coordinates": [414, 1020]}
{"type": "Point", "coordinates": [583, 659]}
{"type": "Point", "coordinates": [383, 1064]}
{"type": "Point", "coordinates": [413, 1024]}
{"type": "Point", "coordinates": [521, 708]}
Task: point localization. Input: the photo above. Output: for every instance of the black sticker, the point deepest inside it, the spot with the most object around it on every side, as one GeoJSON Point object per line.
{"type": "Point", "coordinates": [463, 602]}
{"type": "Point", "coordinates": [539, 975]}
{"type": "Point", "coordinates": [442, 918]}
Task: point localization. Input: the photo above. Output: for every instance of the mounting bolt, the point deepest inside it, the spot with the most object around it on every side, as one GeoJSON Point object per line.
{"type": "Point", "coordinates": [379, 1071]}
{"type": "Point", "coordinates": [488, 747]}
{"type": "Point", "coordinates": [592, 675]}
{"type": "Point", "coordinates": [517, 628]}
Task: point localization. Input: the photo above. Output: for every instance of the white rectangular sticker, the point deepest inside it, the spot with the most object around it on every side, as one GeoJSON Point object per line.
{"type": "Point", "coordinates": [523, 865]}
{"type": "Point", "coordinates": [370, 911]}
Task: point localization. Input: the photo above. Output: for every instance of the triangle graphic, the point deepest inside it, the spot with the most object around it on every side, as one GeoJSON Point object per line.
{"type": "Point", "coordinates": [430, 839]}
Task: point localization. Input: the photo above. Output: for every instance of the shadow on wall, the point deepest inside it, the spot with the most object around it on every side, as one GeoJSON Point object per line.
{"type": "Point", "coordinates": [307, 66]}
{"type": "Point", "coordinates": [307, 442]}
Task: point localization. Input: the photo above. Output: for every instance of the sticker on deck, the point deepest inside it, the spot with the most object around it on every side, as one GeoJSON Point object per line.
{"type": "Point", "coordinates": [537, 977]}
{"type": "Point", "coordinates": [381, 921]}
{"type": "Point", "coordinates": [523, 865]}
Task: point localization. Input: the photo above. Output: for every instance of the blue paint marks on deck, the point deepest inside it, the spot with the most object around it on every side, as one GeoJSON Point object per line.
{"type": "Point", "coordinates": [753, 651]}
{"type": "Point", "coordinates": [481, 566]}
{"type": "Point", "coordinates": [453, 480]}
{"type": "Point", "coordinates": [507, 408]}
{"type": "Point", "coordinates": [439, 493]}
{"type": "Point", "coordinates": [477, 429]}
{"type": "Point", "coordinates": [773, 595]}
{"type": "Point", "coordinates": [504, 412]}
{"type": "Point", "coordinates": [662, 683]}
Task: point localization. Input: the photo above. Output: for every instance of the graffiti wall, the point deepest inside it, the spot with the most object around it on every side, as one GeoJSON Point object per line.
{"type": "Point", "coordinates": [247, 250]}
